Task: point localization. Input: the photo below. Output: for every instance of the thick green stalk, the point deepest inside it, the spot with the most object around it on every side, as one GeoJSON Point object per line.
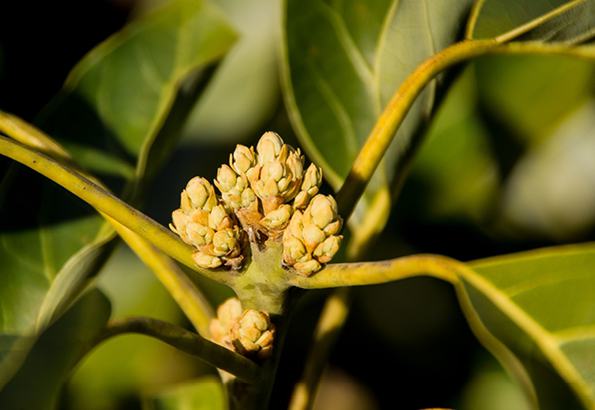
{"type": "Point", "coordinates": [188, 342]}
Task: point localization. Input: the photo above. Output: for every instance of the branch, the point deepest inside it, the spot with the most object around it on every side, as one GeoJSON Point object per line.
{"type": "Point", "coordinates": [372, 273]}
{"type": "Point", "coordinates": [188, 342]}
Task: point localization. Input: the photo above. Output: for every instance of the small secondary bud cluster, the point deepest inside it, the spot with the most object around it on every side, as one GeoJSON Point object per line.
{"type": "Point", "coordinates": [248, 332]}
{"type": "Point", "coordinates": [262, 190]}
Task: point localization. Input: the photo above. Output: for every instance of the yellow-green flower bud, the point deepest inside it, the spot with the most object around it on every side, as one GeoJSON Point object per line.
{"type": "Point", "coordinates": [253, 334]}
{"type": "Point", "coordinates": [310, 240]}
{"type": "Point", "coordinates": [206, 225]}
{"type": "Point", "coordinates": [228, 314]}
{"type": "Point", "coordinates": [279, 173]}
{"type": "Point", "coordinates": [308, 267]}
{"type": "Point", "coordinates": [243, 160]}
{"type": "Point", "coordinates": [235, 189]}
{"type": "Point", "coordinates": [310, 186]}
{"type": "Point", "coordinates": [278, 218]}
{"type": "Point", "coordinates": [269, 147]}
{"type": "Point", "coordinates": [199, 194]}
{"type": "Point", "coordinates": [206, 261]}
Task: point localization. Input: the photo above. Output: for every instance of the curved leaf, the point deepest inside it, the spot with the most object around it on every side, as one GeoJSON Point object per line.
{"type": "Point", "coordinates": [342, 62]}
{"type": "Point", "coordinates": [539, 304]}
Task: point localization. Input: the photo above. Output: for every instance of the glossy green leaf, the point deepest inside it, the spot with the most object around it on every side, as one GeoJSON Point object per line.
{"type": "Point", "coordinates": [111, 112]}
{"type": "Point", "coordinates": [244, 92]}
{"type": "Point", "coordinates": [538, 306]}
{"type": "Point", "coordinates": [206, 393]}
{"type": "Point", "coordinates": [35, 381]}
{"type": "Point", "coordinates": [535, 20]}
{"type": "Point", "coordinates": [342, 62]}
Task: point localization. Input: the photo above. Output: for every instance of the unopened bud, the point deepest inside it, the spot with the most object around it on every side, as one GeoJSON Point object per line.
{"type": "Point", "coordinates": [228, 313]}
{"type": "Point", "coordinates": [310, 239]}
{"type": "Point", "coordinates": [253, 334]}
{"type": "Point", "coordinates": [199, 194]}
{"type": "Point", "coordinates": [278, 218]}
{"type": "Point", "coordinates": [310, 186]}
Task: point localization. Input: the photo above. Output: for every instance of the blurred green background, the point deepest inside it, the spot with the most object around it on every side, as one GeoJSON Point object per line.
{"type": "Point", "coordinates": [525, 127]}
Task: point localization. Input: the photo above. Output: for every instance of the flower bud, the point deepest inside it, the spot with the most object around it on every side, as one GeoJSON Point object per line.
{"type": "Point", "coordinates": [278, 175]}
{"type": "Point", "coordinates": [311, 239]}
{"type": "Point", "coordinates": [235, 189]}
{"type": "Point", "coordinates": [228, 313]}
{"type": "Point", "coordinates": [199, 194]}
{"type": "Point", "coordinates": [269, 147]}
{"type": "Point", "coordinates": [310, 186]}
{"type": "Point", "coordinates": [253, 334]}
{"type": "Point", "coordinates": [278, 218]}
{"type": "Point", "coordinates": [207, 226]}
{"type": "Point", "coordinates": [242, 160]}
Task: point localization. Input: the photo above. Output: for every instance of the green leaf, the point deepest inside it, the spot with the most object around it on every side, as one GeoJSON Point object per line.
{"type": "Point", "coordinates": [539, 307]}
{"type": "Point", "coordinates": [206, 393]}
{"type": "Point", "coordinates": [534, 20]}
{"type": "Point", "coordinates": [343, 61]}
{"type": "Point", "coordinates": [246, 83]}
{"type": "Point", "coordinates": [35, 381]}
{"type": "Point", "coordinates": [112, 111]}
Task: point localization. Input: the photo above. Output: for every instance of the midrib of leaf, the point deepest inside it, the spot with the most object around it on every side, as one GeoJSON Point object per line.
{"type": "Point", "coordinates": [575, 333]}
{"type": "Point", "coordinates": [377, 53]}
{"type": "Point", "coordinates": [518, 289]}
{"type": "Point", "coordinates": [520, 30]}
{"type": "Point", "coordinates": [545, 340]}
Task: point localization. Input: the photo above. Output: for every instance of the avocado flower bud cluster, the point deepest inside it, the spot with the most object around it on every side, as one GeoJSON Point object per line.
{"type": "Point", "coordinates": [261, 191]}
{"type": "Point", "coordinates": [249, 332]}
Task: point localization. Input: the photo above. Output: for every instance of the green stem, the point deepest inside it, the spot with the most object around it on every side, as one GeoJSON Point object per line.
{"type": "Point", "coordinates": [191, 343]}
{"type": "Point", "coordinates": [387, 124]}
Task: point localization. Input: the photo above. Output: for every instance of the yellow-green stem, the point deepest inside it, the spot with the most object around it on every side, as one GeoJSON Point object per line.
{"type": "Point", "coordinates": [189, 342]}
{"type": "Point", "coordinates": [387, 124]}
